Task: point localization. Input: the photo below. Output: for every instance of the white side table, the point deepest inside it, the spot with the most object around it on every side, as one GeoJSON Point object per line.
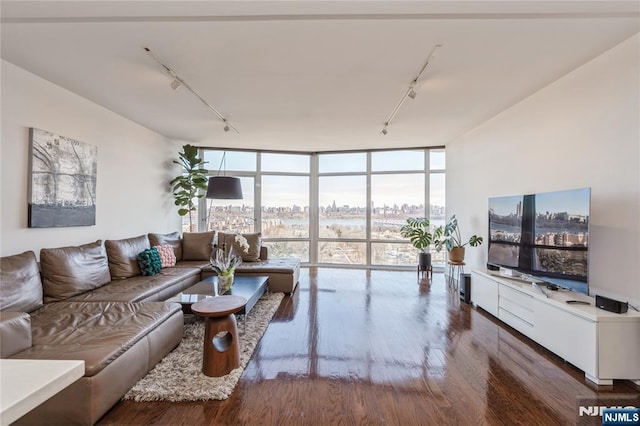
{"type": "Point", "coordinates": [27, 383]}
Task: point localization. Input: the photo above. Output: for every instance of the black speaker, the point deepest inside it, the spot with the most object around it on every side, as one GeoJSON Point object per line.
{"type": "Point", "coordinates": [611, 305]}
{"type": "Point", "coordinates": [465, 288]}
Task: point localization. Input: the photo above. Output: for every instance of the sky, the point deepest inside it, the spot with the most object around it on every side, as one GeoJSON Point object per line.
{"type": "Point", "coordinates": [574, 201]}
{"type": "Point", "coordinates": [345, 190]}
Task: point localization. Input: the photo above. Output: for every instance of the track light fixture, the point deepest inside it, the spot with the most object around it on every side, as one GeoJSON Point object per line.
{"type": "Point", "coordinates": [177, 82]}
{"type": "Point", "coordinates": [410, 92]}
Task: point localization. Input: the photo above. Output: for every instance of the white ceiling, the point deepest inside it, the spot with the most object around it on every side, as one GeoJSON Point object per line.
{"type": "Point", "coordinates": [310, 75]}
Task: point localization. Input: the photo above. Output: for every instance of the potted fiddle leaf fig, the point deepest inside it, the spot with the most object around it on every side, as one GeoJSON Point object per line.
{"type": "Point", "coordinates": [451, 238]}
{"type": "Point", "coordinates": [191, 183]}
{"type": "Point", "coordinates": [418, 230]}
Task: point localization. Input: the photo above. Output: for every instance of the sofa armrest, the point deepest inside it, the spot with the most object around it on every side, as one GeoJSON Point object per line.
{"type": "Point", "coordinates": [15, 333]}
{"type": "Point", "coordinates": [264, 253]}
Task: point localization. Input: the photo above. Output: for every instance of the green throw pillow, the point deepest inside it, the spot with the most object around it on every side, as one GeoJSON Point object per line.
{"type": "Point", "coordinates": [149, 261]}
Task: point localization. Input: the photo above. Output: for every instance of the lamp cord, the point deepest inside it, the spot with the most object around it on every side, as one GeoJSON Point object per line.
{"type": "Point", "coordinates": [223, 161]}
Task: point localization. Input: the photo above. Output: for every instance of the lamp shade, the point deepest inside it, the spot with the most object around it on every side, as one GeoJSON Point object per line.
{"type": "Point", "coordinates": [224, 188]}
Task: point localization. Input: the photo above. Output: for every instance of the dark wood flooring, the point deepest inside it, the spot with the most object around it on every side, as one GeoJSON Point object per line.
{"type": "Point", "coordinates": [378, 348]}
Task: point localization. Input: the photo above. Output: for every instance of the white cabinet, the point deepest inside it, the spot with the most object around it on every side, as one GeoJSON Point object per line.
{"type": "Point", "coordinates": [484, 293]}
{"type": "Point", "coordinates": [516, 309]}
{"type": "Point", "coordinates": [567, 335]}
{"type": "Point", "coordinates": [603, 344]}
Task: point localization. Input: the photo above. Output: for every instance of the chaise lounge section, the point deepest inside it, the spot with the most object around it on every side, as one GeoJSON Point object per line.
{"type": "Point", "coordinates": [119, 342]}
{"type": "Point", "coordinates": [194, 250]}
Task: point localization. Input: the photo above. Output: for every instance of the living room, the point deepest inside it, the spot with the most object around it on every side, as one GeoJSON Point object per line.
{"type": "Point", "coordinates": [571, 124]}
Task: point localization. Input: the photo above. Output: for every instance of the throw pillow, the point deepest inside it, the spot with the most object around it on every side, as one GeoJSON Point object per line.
{"type": "Point", "coordinates": [167, 255]}
{"type": "Point", "coordinates": [149, 261]}
{"type": "Point", "coordinates": [252, 254]}
{"type": "Point", "coordinates": [173, 239]}
{"type": "Point", "coordinates": [123, 254]}
{"type": "Point", "coordinates": [197, 245]}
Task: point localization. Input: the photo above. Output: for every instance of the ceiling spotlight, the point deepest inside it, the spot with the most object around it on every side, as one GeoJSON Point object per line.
{"type": "Point", "coordinates": [226, 128]}
{"type": "Point", "coordinates": [412, 94]}
{"type": "Point", "coordinates": [175, 84]}
{"type": "Point", "coordinates": [384, 130]}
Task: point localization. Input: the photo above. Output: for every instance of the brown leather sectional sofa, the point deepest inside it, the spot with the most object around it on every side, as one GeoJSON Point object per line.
{"type": "Point", "coordinates": [91, 303]}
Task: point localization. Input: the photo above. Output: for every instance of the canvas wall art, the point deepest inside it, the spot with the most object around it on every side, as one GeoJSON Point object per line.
{"type": "Point", "coordinates": [62, 190]}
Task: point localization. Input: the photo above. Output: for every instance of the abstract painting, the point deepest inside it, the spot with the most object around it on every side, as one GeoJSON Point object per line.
{"type": "Point", "coordinates": [62, 190]}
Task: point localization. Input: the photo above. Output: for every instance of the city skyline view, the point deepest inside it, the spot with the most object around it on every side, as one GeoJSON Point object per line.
{"type": "Point", "coordinates": [277, 190]}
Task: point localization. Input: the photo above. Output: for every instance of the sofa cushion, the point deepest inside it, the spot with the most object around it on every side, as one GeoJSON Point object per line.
{"type": "Point", "coordinates": [161, 286]}
{"type": "Point", "coordinates": [167, 255]}
{"type": "Point", "coordinates": [123, 254]}
{"type": "Point", "coordinates": [21, 288]}
{"type": "Point", "coordinates": [197, 245]}
{"type": "Point", "coordinates": [67, 271]}
{"type": "Point", "coordinates": [149, 261]}
{"type": "Point", "coordinates": [15, 333]}
{"type": "Point", "coordinates": [173, 239]}
{"type": "Point", "coordinates": [96, 332]}
{"type": "Point", "coordinates": [283, 272]}
{"type": "Point", "coordinates": [252, 254]}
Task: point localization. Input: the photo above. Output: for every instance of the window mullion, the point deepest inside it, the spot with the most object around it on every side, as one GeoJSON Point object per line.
{"type": "Point", "coordinates": [314, 213]}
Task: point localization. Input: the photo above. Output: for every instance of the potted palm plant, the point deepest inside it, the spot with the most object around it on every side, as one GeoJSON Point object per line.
{"type": "Point", "coordinates": [451, 238]}
{"type": "Point", "coordinates": [418, 230]}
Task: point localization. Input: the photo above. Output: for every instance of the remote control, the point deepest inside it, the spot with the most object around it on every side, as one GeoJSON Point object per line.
{"type": "Point", "coordinates": [577, 302]}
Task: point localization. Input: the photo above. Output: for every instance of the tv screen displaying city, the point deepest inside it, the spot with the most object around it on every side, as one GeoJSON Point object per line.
{"type": "Point", "coordinates": [545, 235]}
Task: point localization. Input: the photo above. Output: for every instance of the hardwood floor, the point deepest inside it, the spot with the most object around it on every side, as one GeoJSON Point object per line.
{"type": "Point", "coordinates": [375, 347]}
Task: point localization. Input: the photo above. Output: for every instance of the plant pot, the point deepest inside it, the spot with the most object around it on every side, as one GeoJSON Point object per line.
{"type": "Point", "coordinates": [424, 261]}
{"type": "Point", "coordinates": [225, 282]}
{"type": "Point", "coordinates": [456, 255]}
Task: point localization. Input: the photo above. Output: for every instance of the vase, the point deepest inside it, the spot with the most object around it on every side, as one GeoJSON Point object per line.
{"type": "Point", "coordinates": [456, 255]}
{"type": "Point", "coordinates": [225, 282]}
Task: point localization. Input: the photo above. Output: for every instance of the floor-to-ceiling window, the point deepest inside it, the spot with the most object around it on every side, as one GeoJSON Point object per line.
{"type": "Point", "coordinates": [342, 208]}
{"type": "Point", "coordinates": [285, 204]}
{"type": "Point", "coordinates": [232, 215]}
{"type": "Point", "coordinates": [397, 193]}
{"type": "Point", "coordinates": [436, 169]}
{"type": "Point", "coordinates": [339, 208]}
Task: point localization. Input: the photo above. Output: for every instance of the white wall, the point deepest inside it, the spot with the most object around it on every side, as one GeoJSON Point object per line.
{"type": "Point", "coordinates": [580, 131]}
{"type": "Point", "coordinates": [134, 165]}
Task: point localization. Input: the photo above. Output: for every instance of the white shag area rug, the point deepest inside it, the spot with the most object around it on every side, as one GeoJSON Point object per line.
{"type": "Point", "coordinates": [178, 377]}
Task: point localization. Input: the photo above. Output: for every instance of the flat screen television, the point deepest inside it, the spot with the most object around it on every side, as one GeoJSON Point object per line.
{"type": "Point", "coordinates": [544, 235]}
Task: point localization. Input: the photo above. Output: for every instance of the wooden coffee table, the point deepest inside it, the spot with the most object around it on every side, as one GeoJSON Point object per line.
{"type": "Point", "coordinates": [250, 287]}
{"type": "Point", "coordinates": [221, 350]}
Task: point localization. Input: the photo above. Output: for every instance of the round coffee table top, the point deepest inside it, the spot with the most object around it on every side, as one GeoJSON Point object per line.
{"type": "Point", "coordinates": [219, 306]}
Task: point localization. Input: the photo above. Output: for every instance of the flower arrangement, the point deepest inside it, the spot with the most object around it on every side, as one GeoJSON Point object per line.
{"type": "Point", "coordinates": [224, 262]}
{"type": "Point", "coordinates": [243, 242]}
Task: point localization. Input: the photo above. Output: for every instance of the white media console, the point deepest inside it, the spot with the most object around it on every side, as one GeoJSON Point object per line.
{"type": "Point", "coordinates": [605, 345]}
